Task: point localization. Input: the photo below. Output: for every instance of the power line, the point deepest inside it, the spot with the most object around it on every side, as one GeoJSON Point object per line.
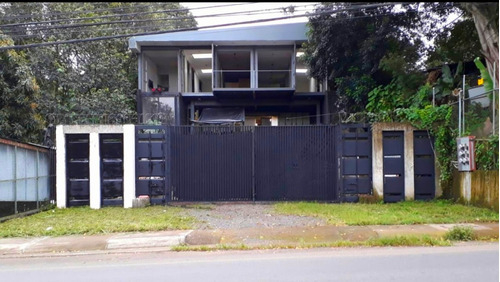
{"type": "Point", "coordinates": [190, 29]}
{"type": "Point", "coordinates": [257, 12]}
{"type": "Point", "coordinates": [112, 9]}
{"type": "Point", "coordinates": [120, 15]}
{"type": "Point", "coordinates": [149, 20]}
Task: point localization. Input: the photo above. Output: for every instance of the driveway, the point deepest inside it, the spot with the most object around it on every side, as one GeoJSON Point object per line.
{"type": "Point", "coordinates": [238, 216]}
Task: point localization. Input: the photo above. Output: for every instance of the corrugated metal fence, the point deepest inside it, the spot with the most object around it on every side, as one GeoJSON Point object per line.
{"type": "Point", "coordinates": [27, 177]}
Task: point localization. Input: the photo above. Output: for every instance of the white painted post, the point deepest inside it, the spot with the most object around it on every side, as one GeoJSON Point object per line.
{"type": "Point", "coordinates": [94, 171]}
{"type": "Point", "coordinates": [60, 167]}
{"type": "Point", "coordinates": [128, 165]}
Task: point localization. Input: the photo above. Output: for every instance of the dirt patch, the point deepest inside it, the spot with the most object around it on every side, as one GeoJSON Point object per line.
{"type": "Point", "coordinates": [238, 216]}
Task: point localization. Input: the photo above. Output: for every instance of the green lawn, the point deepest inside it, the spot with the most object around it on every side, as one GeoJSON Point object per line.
{"type": "Point", "coordinates": [83, 220]}
{"type": "Point", "coordinates": [409, 212]}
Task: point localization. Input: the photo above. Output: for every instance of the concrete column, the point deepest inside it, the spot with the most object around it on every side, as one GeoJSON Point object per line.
{"type": "Point", "coordinates": [312, 85]}
{"type": "Point", "coordinates": [94, 171]}
{"type": "Point", "coordinates": [128, 165]}
{"type": "Point", "coordinates": [60, 167]}
{"type": "Point", "coordinates": [409, 164]}
{"type": "Point", "coordinates": [196, 83]}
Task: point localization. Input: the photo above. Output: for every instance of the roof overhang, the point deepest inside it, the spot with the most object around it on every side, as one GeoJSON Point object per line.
{"type": "Point", "coordinates": [279, 34]}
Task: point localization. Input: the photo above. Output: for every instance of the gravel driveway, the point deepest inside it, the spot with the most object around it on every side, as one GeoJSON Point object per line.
{"type": "Point", "coordinates": [236, 216]}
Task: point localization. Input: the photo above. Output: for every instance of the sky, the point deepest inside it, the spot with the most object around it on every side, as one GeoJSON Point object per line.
{"type": "Point", "coordinates": [264, 9]}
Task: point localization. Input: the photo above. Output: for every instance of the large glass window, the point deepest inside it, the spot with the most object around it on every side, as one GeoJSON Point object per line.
{"type": "Point", "coordinates": [158, 110]}
{"type": "Point", "coordinates": [274, 68]}
{"type": "Point", "coordinates": [233, 69]}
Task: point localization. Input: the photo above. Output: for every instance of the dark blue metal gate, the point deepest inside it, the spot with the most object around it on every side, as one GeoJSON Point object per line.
{"type": "Point", "coordinates": [240, 163]}
{"type": "Point", "coordinates": [295, 163]}
{"type": "Point", "coordinates": [425, 187]}
{"type": "Point", "coordinates": [211, 163]}
{"type": "Point", "coordinates": [394, 166]}
{"type": "Point", "coordinates": [354, 149]}
{"type": "Point", "coordinates": [111, 152]}
{"type": "Point", "coordinates": [151, 151]}
{"type": "Point", "coordinates": [77, 167]}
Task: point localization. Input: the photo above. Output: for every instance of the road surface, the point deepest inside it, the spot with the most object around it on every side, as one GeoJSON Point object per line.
{"type": "Point", "coordinates": [468, 262]}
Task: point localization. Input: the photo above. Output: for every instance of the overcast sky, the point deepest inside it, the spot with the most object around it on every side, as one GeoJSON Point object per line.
{"type": "Point", "coordinates": [265, 10]}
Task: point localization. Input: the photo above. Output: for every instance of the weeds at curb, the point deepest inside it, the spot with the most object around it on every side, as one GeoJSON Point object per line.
{"type": "Point", "coordinates": [460, 233]}
{"type": "Point", "coordinates": [397, 241]}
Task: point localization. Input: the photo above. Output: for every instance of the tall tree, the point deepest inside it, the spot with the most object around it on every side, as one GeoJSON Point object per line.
{"type": "Point", "coordinates": [360, 46]}
{"type": "Point", "coordinates": [86, 81]}
{"type": "Point", "coordinates": [485, 16]}
{"type": "Point", "coordinates": [18, 93]}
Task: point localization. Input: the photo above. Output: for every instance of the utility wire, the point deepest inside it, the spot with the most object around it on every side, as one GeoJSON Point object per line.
{"type": "Point", "coordinates": [118, 8]}
{"type": "Point", "coordinates": [11, 33]}
{"type": "Point", "coordinates": [118, 15]}
{"type": "Point", "coordinates": [148, 20]}
{"type": "Point", "coordinates": [191, 29]}
{"type": "Point", "coordinates": [125, 27]}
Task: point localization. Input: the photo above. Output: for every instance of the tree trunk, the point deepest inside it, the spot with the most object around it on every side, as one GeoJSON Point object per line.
{"type": "Point", "coordinates": [486, 21]}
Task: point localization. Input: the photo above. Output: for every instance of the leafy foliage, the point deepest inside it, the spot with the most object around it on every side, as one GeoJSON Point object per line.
{"type": "Point", "coordinates": [18, 92]}
{"type": "Point", "coordinates": [84, 81]}
{"type": "Point", "coordinates": [487, 154]}
{"type": "Point", "coordinates": [359, 49]}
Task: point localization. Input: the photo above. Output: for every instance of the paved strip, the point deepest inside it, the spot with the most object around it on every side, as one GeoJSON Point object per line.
{"type": "Point", "coordinates": [143, 240]}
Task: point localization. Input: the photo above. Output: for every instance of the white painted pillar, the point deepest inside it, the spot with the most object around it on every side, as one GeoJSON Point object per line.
{"type": "Point", "coordinates": [312, 85]}
{"type": "Point", "coordinates": [196, 83]}
{"type": "Point", "coordinates": [94, 171]}
{"type": "Point", "coordinates": [60, 167]}
{"type": "Point", "coordinates": [128, 165]}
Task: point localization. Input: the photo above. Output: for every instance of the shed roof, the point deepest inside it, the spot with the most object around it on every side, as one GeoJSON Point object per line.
{"type": "Point", "coordinates": [250, 35]}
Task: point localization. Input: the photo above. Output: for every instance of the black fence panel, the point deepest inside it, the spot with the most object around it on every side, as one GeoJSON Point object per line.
{"type": "Point", "coordinates": [77, 167]}
{"type": "Point", "coordinates": [295, 163]}
{"type": "Point", "coordinates": [111, 151]}
{"type": "Point", "coordinates": [354, 150]}
{"type": "Point", "coordinates": [212, 163]}
{"type": "Point", "coordinates": [424, 175]}
{"type": "Point", "coordinates": [152, 152]}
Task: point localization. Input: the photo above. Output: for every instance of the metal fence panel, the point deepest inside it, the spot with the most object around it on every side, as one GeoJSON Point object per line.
{"type": "Point", "coordinates": [295, 163]}
{"type": "Point", "coordinates": [211, 163]}
{"type": "Point", "coordinates": [27, 177]}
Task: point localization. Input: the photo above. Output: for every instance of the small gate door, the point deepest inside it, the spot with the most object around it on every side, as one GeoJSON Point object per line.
{"type": "Point", "coordinates": [425, 187]}
{"type": "Point", "coordinates": [393, 152]}
{"type": "Point", "coordinates": [151, 170]}
{"type": "Point", "coordinates": [111, 147]}
{"type": "Point", "coordinates": [77, 167]}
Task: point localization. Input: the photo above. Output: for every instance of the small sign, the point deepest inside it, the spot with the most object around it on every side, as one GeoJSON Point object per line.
{"type": "Point", "coordinates": [480, 81]}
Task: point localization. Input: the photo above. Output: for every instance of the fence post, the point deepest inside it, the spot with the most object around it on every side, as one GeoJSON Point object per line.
{"type": "Point", "coordinates": [253, 163]}
{"type": "Point", "coordinates": [37, 180]}
{"type": "Point", "coordinates": [15, 179]}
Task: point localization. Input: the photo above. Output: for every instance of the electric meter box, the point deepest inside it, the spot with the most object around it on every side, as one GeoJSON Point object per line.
{"type": "Point", "coordinates": [465, 153]}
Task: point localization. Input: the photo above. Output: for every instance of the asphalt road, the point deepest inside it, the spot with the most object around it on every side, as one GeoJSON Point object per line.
{"type": "Point", "coordinates": [471, 262]}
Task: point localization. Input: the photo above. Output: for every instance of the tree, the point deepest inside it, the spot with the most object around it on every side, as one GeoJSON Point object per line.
{"type": "Point", "coordinates": [486, 21]}
{"type": "Point", "coordinates": [87, 81]}
{"type": "Point", "coordinates": [358, 48]}
{"type": "Point", "coordinates": [18, 92]}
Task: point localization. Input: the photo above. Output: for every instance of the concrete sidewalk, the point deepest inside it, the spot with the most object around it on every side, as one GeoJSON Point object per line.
{"type": "Point", "coordinates": [164, 240]}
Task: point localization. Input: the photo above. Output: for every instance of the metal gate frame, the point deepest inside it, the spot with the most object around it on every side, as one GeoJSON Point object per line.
{"type": "Point", "coordinates": [157, 148]}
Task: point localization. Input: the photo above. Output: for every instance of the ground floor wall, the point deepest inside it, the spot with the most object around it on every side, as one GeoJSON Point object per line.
{"type": "Point", "coordinates": [409, 161]}
{"type": "Point", "coordinates": [478, 188]}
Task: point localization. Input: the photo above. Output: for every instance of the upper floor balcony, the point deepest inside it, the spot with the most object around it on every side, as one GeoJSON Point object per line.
{"type": "Point", "coordinates": [227, 71]}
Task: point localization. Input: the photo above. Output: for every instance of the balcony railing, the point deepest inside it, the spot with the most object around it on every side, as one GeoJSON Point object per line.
{"type": "Point", "coordinates": [244, 78]}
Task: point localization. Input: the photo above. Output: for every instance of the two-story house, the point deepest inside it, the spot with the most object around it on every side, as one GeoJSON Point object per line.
{"type": "Point", "coordinates": [251, 75]}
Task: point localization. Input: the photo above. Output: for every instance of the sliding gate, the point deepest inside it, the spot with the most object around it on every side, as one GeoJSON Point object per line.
{"type": "Point", "coordinates": [243, 163]}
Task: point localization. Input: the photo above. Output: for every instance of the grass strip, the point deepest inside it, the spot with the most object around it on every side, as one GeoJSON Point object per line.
{"type": "Point", "coordinates": [86, 221]}
{"type": "Point", "coordinates": [408, 212]}
{"type": "Point", "coordinates": [396, 241]}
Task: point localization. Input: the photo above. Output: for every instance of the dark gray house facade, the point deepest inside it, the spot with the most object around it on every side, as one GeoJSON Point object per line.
{"type": "Point", "coordinates": [250, 75]}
